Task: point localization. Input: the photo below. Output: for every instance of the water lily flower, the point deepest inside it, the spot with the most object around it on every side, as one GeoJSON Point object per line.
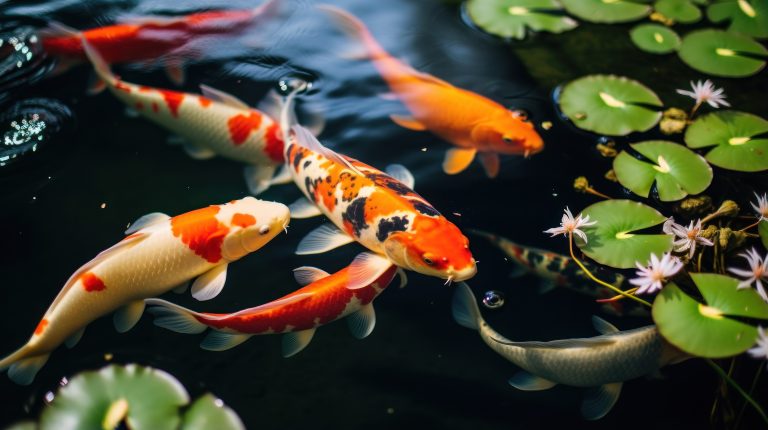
{"type": "Point", "coordinates": [706, 92]}
{"type": "Point", "coordinates": [686, 238]}
{"type": "Point", "coordinates": [761, 349]}
{"type": "Point", "coordinates": [569, 225]}
{"type": "Point", "coordinates": [650, 278]}
{"type": "Point", "coordinates": [762, 206]}
{"type": "Point", "coordinates": [757, 273]}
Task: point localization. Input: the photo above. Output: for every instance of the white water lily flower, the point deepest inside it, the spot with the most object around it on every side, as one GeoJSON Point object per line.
{"type": "Point", "coordinates": [651, 278]}
{"type": "Point", "coordinates": [706, 92]}
{"type": "Point", "coordinates": [686, 238]}
{"type": "Point", "coordinates": [761, 349]}
{"type": "Point", "coordinates": [762, 206]}
{"type": "Point", "coordinates": [569, 225]}
{"type": "Point", "coordinates": [757, 273]}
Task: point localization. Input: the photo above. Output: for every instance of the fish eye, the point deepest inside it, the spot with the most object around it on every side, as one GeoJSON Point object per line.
{"type": "Point", "coordinates": [428, 261]}
{"type": "Point", "coordinates": [264, 229]}
{"type": "Point", "coordinates": [507, 139]}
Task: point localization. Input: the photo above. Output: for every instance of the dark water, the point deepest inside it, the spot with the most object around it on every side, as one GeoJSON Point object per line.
{"type": "Point", "coordinates": [418, 368]}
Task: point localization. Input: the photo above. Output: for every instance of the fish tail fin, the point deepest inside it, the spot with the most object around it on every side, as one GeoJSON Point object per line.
{"type": "Point", "coordinates": [267, 10]}
{"type": "Point", "coordinates": [101, 66]}
{"type": "Point", "coordinates": [464, 307]}
{"type": "Point", "coordinates": [174, 317]}
{"type": "Point", "coordinates": [354, 28]}
{"type": "Point", "coordinates": [23, 365]}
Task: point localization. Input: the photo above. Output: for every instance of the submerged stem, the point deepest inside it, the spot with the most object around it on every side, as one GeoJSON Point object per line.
{"type": "Point", "coordinates": [750, 226]}
{"type": "Point", "coordinates": [736, 386]}
{"type": "Point", "coordinates": [751, 390]}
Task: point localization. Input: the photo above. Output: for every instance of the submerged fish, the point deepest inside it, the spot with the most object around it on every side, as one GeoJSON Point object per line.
{"type": "Point", "coordinates": [471, 122]}
{"type": "Point", "coordinates": [159, 254]}
{"type": "Point", "coordinates": [601, 363]}
{"type": "Point", "coordinates": [324, 299]}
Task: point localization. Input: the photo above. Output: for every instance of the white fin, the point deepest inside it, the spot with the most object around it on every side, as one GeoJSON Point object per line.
{"type": "Point", "coordinates": [23, 371]}
{"type": "Point", "coordinates": [603, 326]}
{"type": "Point", "coordinates": [303, 208]}
{"type": "Point", "coordinates": [322, 239]}
{"type": "Point", "coordinates": [528, 382]}
{"type": "Point", "coordinates": [314, 121]}
{"type": "Point", "coordinates": [58, 29]}
{"type": "Point", "coordinates": [197, 152]}
{"type": "Point", "coordinates": [388, 96]}
{"type": "Point", "coordinates": [599, 400]}
{"type": "Point", "coordinates": [491, 163]}
{"type": "Point", "coordinates": [464, 307]}
{"type": "Point", "coordinates": [130, 112]}
{"type": "Point", "coordinates": [258, 179]}
{"type": "Point", "coordinates": [283, 175]}
{"type": "Point", "coordinates": [402, 174]}
{"type": "Point", "coordinates": [221, 341]}
{"type": "Point", "coordinates": [546, 285]}
{"type": "Point", "coordinates": [365, 269]}
{"type": "Point", "coordinates": [75, 338]}
{"type": "Point", "coordinates": [306, 275]}
{"type": "Point", "coordinates": [174, 69]}
{"type": "Point", "coordinates": [222, 97]}
{"type": "Point", "coordinates": [456, 160]}
{"type": "Point", "coordinates": [99, 65]}
{"type": "Point", "coordinates": [403, 277]}
{"type": "Point", "coordinates": [518, 271]}
{"type": "Point", "coordinates": [127, 316]}
{"type": "Point", "coordinates": [294, 342]}
{"type": "Point", "coordinates": [174, 317]}
{"type": "Point", "coordinates": [147, 220]}
{"type": "Point", "coordinates": [182, 288]}
{"type": "Point", "coordinates": [362, 322]}
{"type": "Point", "coordinates": [305, 139]}
{"type": "Point", "coordinates": [175, 139]}
{"type": "Point", "coordinates": [271, 104]}
{"type": "Point", "coordinates": [96, 86]}
{"type": "Point", "coordinates": [209, 284]}
{"type": "Point", "coordinates": [590, 342]}
{"type": "Point", "coordinates": [408, 122]}
{"type": "Point", "coordinates": [151, 20]}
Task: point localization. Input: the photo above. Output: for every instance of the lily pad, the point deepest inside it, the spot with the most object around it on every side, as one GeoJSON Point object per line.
{"type": "Point", "coordinates": [707, 329]}
{"type": "Point", "coordinates": [677, 170]}
{"type": "Point", "coordinates": [747, 17]}
{"type": "Point", "coordinates": [511, 18]}
{"type": "Point", "coordinates": [721, 53]}
{"type": "Point", "coordinates": [762, 229]}
{"type": "Point", "coordinates": [733, 135]}
{"type": "Point", "coordinates": [208, 412]}
{"type": "Point", "coordinates": [682, 11]}
{"type": "Point", "coordinates": [655, 38]}
{"type": "Point", "coordinates": [612, 240]}
{"type": "Point", "coordinates": [608, 104]}
{"type": "Point", "coordinates": [606, 11]}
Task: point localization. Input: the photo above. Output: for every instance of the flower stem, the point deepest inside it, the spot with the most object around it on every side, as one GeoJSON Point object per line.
{"type": "Point", "coordinates": [603, 283]}
{"type": "Point", "coordinates": [751, 225]}
{"type": "Point", "coordinates": [593, 191]}
{"type": "Point", "coordinates": [693, 111]}
{"type": "Point", "coordinates": [751, 390]}
{"type": "Point", "coordinates": [736, 386]}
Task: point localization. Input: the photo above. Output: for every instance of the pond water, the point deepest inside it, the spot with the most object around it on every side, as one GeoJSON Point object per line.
{"type": "Point", "coordinates": [100, 170]}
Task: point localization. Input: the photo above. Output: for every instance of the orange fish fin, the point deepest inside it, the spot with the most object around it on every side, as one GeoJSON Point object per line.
{"type": "Point", "coordinates": [457, 159]}
{"type": "Point", "coordinates": [174, 69]}
{"type": "Point", "coordinates": [490, 162]}
{"type": "Point", "coordinates": [365, 269]}
{"type": "Point", "coordinates": [408, 122]}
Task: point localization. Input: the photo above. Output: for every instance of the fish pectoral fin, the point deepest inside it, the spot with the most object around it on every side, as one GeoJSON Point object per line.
{"type": "Point", "coordinates": [283, 176]}
{"type": "Point", "coordinates": [457, 159]}
{"type": "Point", "coordinates": [529, 382]}
{"type": "Point", "coordinates": [23, 372]}
{"type": "Point", "coordinates": [181, 288]}
{"type": "Point", "coordinates": [362, 322]}
{"type": "Point", "coordinates": [365, 269]}
{"type": "Point", "coordinates": [174, 69]}
{"type": "Point", "coordinates": [322, 239]}
{"type": "Point", "coordinates": [95, 85]}
{"type": "Point", "coordinates": [197, 152]}
{"type": "Point", "coordinates": [130, 112]}
{"type": "Point", "coordinates": [271, 104]}
{"type": "Point", "coordinates": [306, 275]}
{"type": "Point", "coordinates": [546, 285]}
{"type": "Point", "coordinates": [221, 341]}
{"type": "Point", "coordinates": [209, 284]}
{"type": "Point", "coordinates": [222, 97]}
{"type": "Point", "coordinates": [403, 277]}
{"type": "Point", "coordinates": [303, 208]}
{"type": "Point", "coordinates": [146, 221]}
{"type": "Point", "coordinates": [75, 338]}
{"type": "Point", "coordinates": [402, 174]}
{"type": "Point", "coordinates": [599, 400]}
{"type": "Point", "coordinates": [518, 271]}
{"type": "Point", "coordinates": [408, 122]}
{"type": "Point", "coordinates": [127, 316]}
{"type": "Point", "coordinates": [491, 163]}
{"type": "Point", "coordinates": [294, 342]}
{"type": "Point", "coordinates": [602, 326]}
{"type": "Point", "coordinates": [258, 178]}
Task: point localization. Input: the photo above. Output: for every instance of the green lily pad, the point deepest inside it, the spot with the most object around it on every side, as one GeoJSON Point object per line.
{"type": "Point", "coordinates": [608, 104]}
{"type": "Point", "coordinates": [732, 134]}
{"type": "Point", "coordinates": [677, 170]}
{"type": "Point", "coordinates": [208, 412]}
{"type": "Point", "coordinates": [762, 229]}
{"type": "Point", "coordinates": [511, 18]}
{"type": "Point", "coordinates": [655, 38]}
{"type": "Point", "coordinates": [706, 329]}
{"type": "Point", "coordinates": [747, 17]}
{"type": "Point", "coordinates": [146, 398]}
{"type": "Point", "coordinates": [606, 11]}
{"type": "Point", "coordinates": [721, 53]}
{"type": "Point", "coordinates": [678, 10]}
{"type": "Point", "coordinates": [612, 241]}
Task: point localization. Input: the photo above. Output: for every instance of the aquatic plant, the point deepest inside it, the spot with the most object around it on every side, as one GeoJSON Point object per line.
{"type": "Point", "coordinates": [721, 53]}
{"type": "Point", "coordinates": [732, 134]}
{"type": "Point", "coordinates": [513, 19]}
{"type": "Point", "coordinates": [683, 11]}
{"type": "Point", "coordinates": [757, 273]}
{"type": "Point", "coordinates": [762, 228]}
{"type": "Point", "coordinates": [705, 92]}
{"type": "Point", "coordinates": [650, 278]}
{"type": "Point", "coordinates": [602, 11]}
{"type": "Point", "coordinates": [746, 17]}
{"type": "Point", "coordinates": [655, 38]}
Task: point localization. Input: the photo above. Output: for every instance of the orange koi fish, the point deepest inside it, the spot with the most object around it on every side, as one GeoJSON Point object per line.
{"type": "Point", "coordinates": [159, 254]}
{"type": "Point", "coordinates": [471, 122]}
{"type": "Point", "coordinates": [324, 299]}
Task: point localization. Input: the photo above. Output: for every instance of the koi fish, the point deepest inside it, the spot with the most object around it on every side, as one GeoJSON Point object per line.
{"type": "Point", "coordinates": [472, 123]}
{"type": "Point", "coordinates": [324, 299]}
{"type": "Point", "coordinates": [159, 254]}
{"type": "Point", "coordinates": [211, 124]}
{"type": "Point", "coordinates": [147, 38]}
{"type": "Point", "coordinates": [601, 363]}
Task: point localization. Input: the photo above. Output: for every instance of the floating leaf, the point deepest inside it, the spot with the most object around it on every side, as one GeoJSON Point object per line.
{"type": "Point", "coordinates": [606, 11]}
{"type": "Point", "coordinates": [762, 229]}
{"type": "Point", "coordinates": [208, 412]}
{"type": "Point", "coordinates": [707, 329]}
{"type": "Point", "coordinates": [732, 133]}
{"type": "Point", "coordinates": [720, 53]}
{"type": "Point", "coordinates": [612, 240]}
{"type": "Point", "coordinates": [655, 38]}
{"type": "Point", "coordinates": [747, 17]}
{"type": "Point", "coordinates": [510, 18]}
{"type": "Point", "coordinates": [611, 105]}
{"type": "Point", "coordinates": [678, 10]}
{"type": "Point", "coordinates": [677, 170]}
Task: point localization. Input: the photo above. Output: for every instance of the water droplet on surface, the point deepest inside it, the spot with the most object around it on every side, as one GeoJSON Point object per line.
{"type": "Point", "coordinates": [28, 126]}
{"type": "Point", "coordinates": [22, 58]}
{"type": "Point", "coordinates": [493, 299]}
{"type": "Point", "coordinates": [289, 83]}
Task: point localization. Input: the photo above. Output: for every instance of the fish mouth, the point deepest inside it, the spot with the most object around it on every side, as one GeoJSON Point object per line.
{"type": "Point", "coordinates": [464, 274]}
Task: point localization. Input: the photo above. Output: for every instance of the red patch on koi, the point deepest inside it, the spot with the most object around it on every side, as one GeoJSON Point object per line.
{"type": "Point", "coordinates": [240, 126]}
{"type": "Point", "coordinates": [173, 99]}
{"type": "Point", "coordinates": [119, 85]}
{"type": "Point", "coordinates": [201, 232]}
{"type": "Point", "coordinates": [204, 102]}
{"type": "Point", "coordinates": [243, 220]}
{"type": "Point", "coordinates": [274, 143]}
{"type": "Point", "coordinates": [92, 283]}
{"type": "Point", "coordinates": [41, 326]}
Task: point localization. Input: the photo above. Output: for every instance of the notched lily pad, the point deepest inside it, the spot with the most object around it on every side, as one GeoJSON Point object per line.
{"type": "Point", "coordinates": [721, 53]}
{"type": "Point", "coordinates": [606, 11]}
{"type": "Point", "coordinates": [613, 241]}
{"type": "Point", "coordinates": [512, 18]}
{"type": "Point", "coordinates": [208, 412]}
{"type": "Point", "coordinates": [739, 139]}
{"type": "Point", "coordinates": [677, 170]}
{"type": "Point", "coordinates": [683, 11]}
{"type": "Point", "coordinates": [655, 38]}
{"type": "Point", "coordinates": [707, 329]}
{"type": "Point", "coordinates": [748, 17]}
{"type": "Point", "coordinates": [762, 229]}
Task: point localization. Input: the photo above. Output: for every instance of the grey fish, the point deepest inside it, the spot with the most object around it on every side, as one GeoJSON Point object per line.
{"type": "Point", "coordinates": [601, 363]}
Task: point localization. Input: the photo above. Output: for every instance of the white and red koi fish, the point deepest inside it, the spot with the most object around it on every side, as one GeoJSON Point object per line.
{"type": "Point", "coordinates": [472, 123]}
{"type": "Point", "coordinates": [324, 299]}
{"type": "Point", "coordinates": [211, 124]}
{"type": "Point", "coordinates": [159, 254]}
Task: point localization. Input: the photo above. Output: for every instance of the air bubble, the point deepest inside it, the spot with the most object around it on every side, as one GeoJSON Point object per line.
{"type": "Point", "coordinates": [493, 299]}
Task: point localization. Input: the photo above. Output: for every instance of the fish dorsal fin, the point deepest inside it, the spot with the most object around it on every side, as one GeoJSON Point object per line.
{"type": "Point", "coordinates": [529, 382]}
{"type": "Point", "coordinates": [290, 300]}
{"type": "Point", "coordinates": [58, 29]}
{"type": "Point", "coordinates": [222, 97]}
{"type": "Point", "coordinates": [599, 400]}
{"type": "Point", "coordinates": [305, 139]}
{"type": "Point", "coordinates": [306, 275]}
{"type": "Point", "coordinates": [158, 21]}
{"type": "Point", "coordinates": [602, 326]}
{"type": "Point", "coordinates": [590, 342]}
{"type": "Point", "coordinates": [365, 269]}
{"type": "Point", "coordinates": [147, 220]}
{"type": "Point", "coordinates": [426, 77]}
{"type": "Point", "coordinates": [402, 174]}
